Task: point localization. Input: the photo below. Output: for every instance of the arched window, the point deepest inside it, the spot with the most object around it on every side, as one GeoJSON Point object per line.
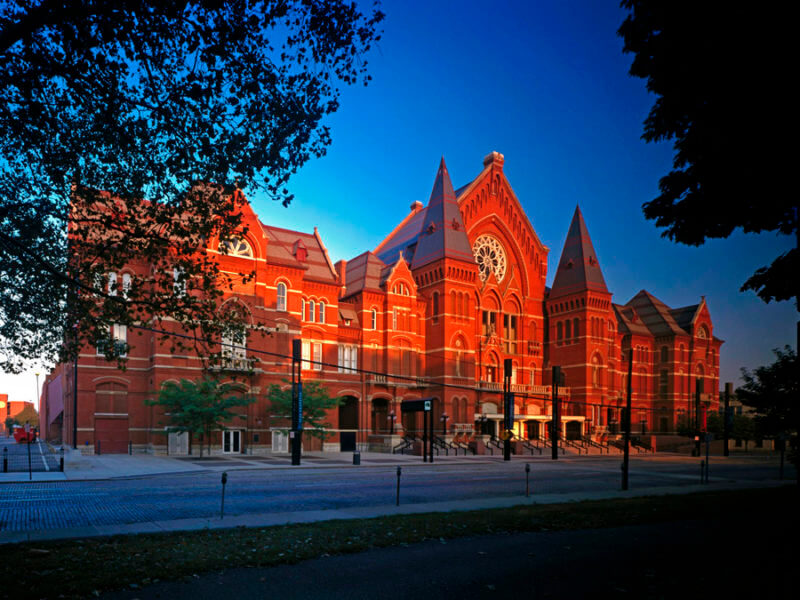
{"type": "Point", "coordinates": [559, 331]}
{"type": "Point", "coordinates": [321, 312]}
{"type": "Point", "coordinates": [236, 247]}
{"type": "Point", "coordinates": [234, 352]}
{"type": "Point", "coordinates": [312, 306]}
{"type": "Point", "coordinates": [374, 319]}
{"type": "Point", "coordinates": [642, 383]}
{"type": "Point", "coordinates": [595, 371]}
{"type": "Point", "coordinates": [281, 304]}
{"type": "Point", "coordinates": [112, 284]}
{"type": "Point", "coordinates": [435, 307]}
{"type": "Point", "coordinates": [126, 284]}
{"type": "Point", "coordinates": [575, 330]}
{"type": "Point", "coordinates": [568, 329]}
{"type": "Point", "coordinates": [303, 309]}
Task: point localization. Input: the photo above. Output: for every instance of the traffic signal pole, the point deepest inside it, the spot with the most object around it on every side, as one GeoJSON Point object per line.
{"type": "Point", "coordinates": [295, 435]}
{"type": "Point", "coordinates": [698, 385]}
{"type": "Point", "coordinates": [726, 419]}
{"type": "Point", "coordinates": [508, 408]}
{"type": "Point", "coordinates": [555, 429]}
{"type": "Point", "coordinates": [626, 423]}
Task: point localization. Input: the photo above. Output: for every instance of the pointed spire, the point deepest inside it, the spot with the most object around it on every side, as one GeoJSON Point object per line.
{"type": "Point", "coordinates": [578, 270]}
{"type": "Point", "coordinates": [443, 233]}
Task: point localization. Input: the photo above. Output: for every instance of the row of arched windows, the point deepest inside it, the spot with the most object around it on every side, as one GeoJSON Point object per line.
{"type": "Point", "coordinates": [568, 330]}
{"type": "Point", "coordinates": [312, 311]}
{"type": "Point", "coordinates": [459, 304]}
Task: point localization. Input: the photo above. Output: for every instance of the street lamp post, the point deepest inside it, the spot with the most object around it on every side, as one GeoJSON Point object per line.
{"type": "Point", "coordinates": [392, 418]}
{"type": "Point", "coordinates": [444, 423]}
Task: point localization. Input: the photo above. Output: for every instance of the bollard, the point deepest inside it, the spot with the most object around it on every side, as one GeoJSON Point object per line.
{"type": "Point", "coordinates": [61, 462]}
{"type": "Point", "coordinates": [222, 505]}
{"type": "Point", "coordinates": [97, 448]}
{"type": "Point", "coordinates": [527, 476]}
{"type": "Point", "coordinates": [130, 448]}
{"type": "Point", "coordinates": [702, 471]}
{"type": "Point", "coordinates": [356, 458]}
{"type": "Point", "coordinates": [5, 460]}
{"type": "Point", "coordinates": [399, 471]}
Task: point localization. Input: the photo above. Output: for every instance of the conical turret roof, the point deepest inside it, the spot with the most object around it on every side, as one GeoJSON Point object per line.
{"type": "Point", "coordinates": [443, 233]}
{"type": "Point", "coordinates": [578, 270]}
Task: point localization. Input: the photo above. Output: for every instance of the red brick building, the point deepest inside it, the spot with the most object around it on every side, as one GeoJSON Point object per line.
{"type": "Point", "coordinates": [456, 288]}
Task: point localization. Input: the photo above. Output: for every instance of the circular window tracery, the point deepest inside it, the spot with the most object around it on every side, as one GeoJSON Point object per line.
{"type": "Point", "coordinates": [236, 247]}
{"type": "Point", "coordinates": [490, 256]}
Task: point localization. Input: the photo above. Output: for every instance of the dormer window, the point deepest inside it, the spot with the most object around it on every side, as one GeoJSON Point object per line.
{"type": "Point", "coordinates": [299, 251]}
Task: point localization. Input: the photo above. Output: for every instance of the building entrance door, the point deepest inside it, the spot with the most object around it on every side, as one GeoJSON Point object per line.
{"type": "Point", "coordinates": [231, 441]}
{"type": "Point", "coordinates": [348, 419]}
{"type": "Point", "coordinates": [111, 435]}
{"type": "Point", "coordinates": [178, 444]}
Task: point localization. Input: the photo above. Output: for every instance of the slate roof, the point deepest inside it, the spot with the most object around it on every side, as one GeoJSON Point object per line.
{"type": "Point", "coordinates": [579, 269]}
{"type": "Point", "coordinates": [443, 233]}
{"type": "Point", "coordinates": [280, 244]}
{"type": "Point", "coordinates": [685, 316]}
{"type": "Point", "coordinates": [432, 233]}
{"type": "Point", "coordinates": [363, 273]}
{"type": "Point", "coordinates": [656, 315]}
{"type": "Point", "coordinates": [403, 238]}
{"type": "Point", "coordinates": [628, 322]}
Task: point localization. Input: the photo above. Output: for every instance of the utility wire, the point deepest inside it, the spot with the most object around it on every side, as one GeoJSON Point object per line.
{"type": "Point", "coordinates": [415, 379]}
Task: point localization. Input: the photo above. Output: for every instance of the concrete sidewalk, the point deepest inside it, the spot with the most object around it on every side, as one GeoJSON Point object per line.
{"type": "Point", "coordinates": [365, 512]}
{"type": "Point", "coordinates": [78, 467]}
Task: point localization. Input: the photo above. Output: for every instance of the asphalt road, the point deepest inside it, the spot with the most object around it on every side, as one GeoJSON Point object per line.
{"type": "Point", "coordinates": [62, 504]}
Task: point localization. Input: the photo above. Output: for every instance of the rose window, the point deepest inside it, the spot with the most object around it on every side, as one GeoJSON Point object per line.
{"type": "Point", "coordinates": [490, 256]}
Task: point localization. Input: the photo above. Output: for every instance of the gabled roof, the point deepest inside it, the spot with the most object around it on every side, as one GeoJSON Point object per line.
{"type": "Point", "coordinates": [628, 322]}
{"type": "Point", "coordinates": [403, 238]}
{"type": "Point", "coordinates": [656, 315]}
{"type": "Point", "coordinates": [685, 316]}
{"type": "Point", "coordinates": [578, 270]}
{"type": "Point", "coordinates": [280, 245]}
{"type": "Point", "coordinates": [443, 233]}
{"type": "Point", "coordinates": [363, 273]}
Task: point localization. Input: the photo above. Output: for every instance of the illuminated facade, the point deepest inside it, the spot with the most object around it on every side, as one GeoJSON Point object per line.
{"type": "Point", "coordinates": [454, 290]}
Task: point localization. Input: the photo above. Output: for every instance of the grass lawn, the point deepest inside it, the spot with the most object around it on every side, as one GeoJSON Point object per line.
{"type": "Point", "coordinates": [84, 568]}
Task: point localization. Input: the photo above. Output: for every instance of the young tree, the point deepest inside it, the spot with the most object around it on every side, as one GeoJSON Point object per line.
{"type": "Point", "coordinates": [717, 71]}
{"type": "Point", "coordinates": [28, 415]}
{"type": "Point", "coordinates": [743, 428]}
{"type": "Point", "coordinates": [773, 391]}
{"type": "Point", "coordinates": [200, 407]}
{"type": "Point", "coordinates": [316, 404]}
{"type": "Point", "coordinates": [145, 99]}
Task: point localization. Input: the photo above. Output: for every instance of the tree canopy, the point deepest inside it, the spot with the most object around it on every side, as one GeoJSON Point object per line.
{"type": "Point", "coordinates": [718, 71]}
{"type": "Point", "coordinates": [200, 407]}
{"type": "Point", "coordinates": [773, 391]}
{"type": "Point", "coordinates": [130, 126]}
{"type": "Point", "coordinates": [316, 404]}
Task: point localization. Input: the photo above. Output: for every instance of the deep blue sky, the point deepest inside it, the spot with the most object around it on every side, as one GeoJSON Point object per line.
{"type": "Point", "coordinates": [546, 84]}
